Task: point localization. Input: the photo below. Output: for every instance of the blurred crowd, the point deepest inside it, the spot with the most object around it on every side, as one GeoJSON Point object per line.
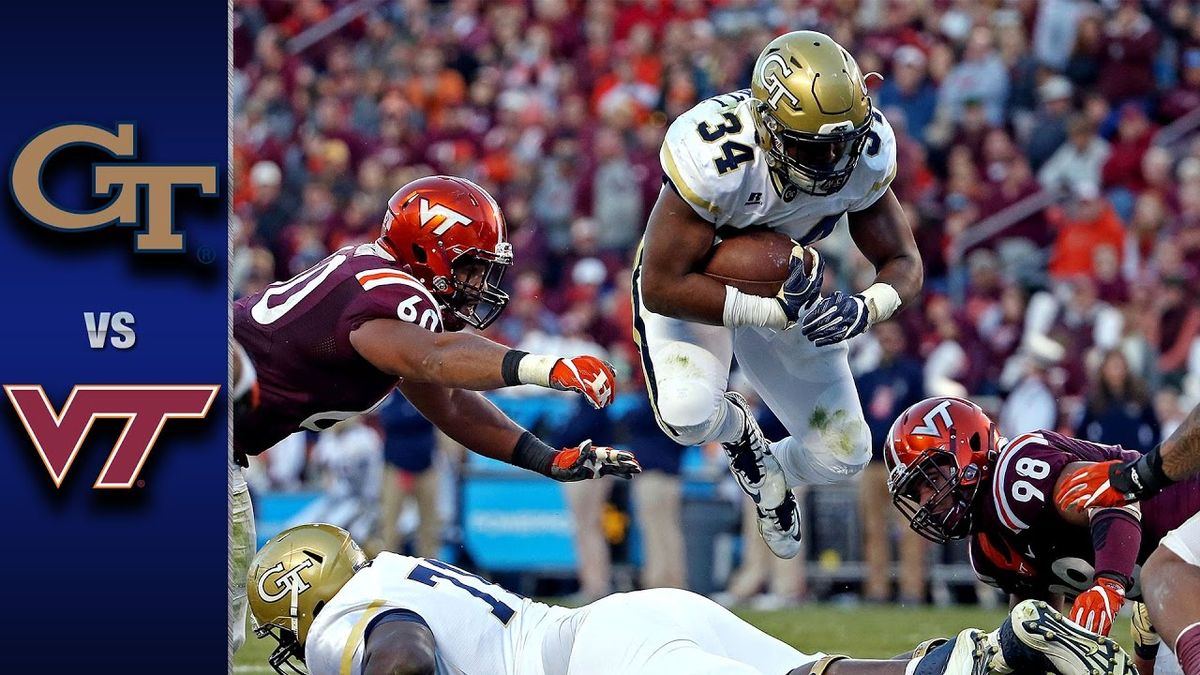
{"type": "Point", "coordinates": [1048, 166]}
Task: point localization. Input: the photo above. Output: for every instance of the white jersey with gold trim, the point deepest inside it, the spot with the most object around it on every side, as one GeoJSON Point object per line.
{"type": "Point", "coordinates": [479, 627]}
{"type": "Point", "coordinates": [712, 156]}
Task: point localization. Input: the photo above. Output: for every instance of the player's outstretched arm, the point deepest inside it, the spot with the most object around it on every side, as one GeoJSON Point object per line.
{"type": "Point", "coordinates": [477, 424]}
{"type": "Point", "coordinates": [1115, 483]}
{"type": "Point", "coordinates": [468, 361]}
{"type": "Point", "coordinates": [400, 647]}
{"type": "Point", "coordinates": [882, 233]}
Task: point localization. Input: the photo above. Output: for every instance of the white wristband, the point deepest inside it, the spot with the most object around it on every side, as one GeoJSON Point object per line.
{"type": "Point", "coordinates": [882, 302]}
{"type": "Point", "coordinates": [743, 309]}
{"type": "Point", "coordinates": [535, 369]}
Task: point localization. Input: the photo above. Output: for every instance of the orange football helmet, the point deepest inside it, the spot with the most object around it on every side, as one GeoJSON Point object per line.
{"type": "Point", "coordinates": [451, 234]}
{"type": "Point", "coordinates": [938, 452]}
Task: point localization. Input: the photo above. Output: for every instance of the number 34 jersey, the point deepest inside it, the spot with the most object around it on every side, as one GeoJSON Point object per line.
{"type": "Point", "coordinates": [297, 333]}
{"type": "Point", "coordinates": [1021, 543]}
{"type": "Point", "coordinates": [712, 156]}
{"type": "Point", "coordinates": [479, 627]}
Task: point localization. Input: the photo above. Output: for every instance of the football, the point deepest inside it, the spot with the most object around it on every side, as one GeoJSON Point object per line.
{"type": "Point", "coordinates": [752, 261]}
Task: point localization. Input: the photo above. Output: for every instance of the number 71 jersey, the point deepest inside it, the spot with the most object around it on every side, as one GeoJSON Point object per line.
{"type": "Point", "coordinates": [479, 628]}
{"type": "Point", "coordinates": [712, 156]}
{"type": "Point", "coordinates": [297, 334]}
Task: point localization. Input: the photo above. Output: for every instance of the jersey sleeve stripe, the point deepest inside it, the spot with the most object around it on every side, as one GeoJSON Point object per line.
{"type": "Point", "coordinates": [685, 191]}
{"type": "Point", "coordinates": [356, 636]}
{"type": "Point", "coordinates": [1007, 515]}
{"type": "Point", "coordinates": [383, 277]}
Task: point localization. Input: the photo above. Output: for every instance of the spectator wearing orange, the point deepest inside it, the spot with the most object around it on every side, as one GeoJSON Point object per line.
{"type": "Point", "coordinates": [1083, 225]}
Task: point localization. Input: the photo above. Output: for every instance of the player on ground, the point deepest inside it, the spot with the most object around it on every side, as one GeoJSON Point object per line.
{"type": "Point", "coordinates": [1173, 570]}
{"type": "Point", "coordinates": [314, 592]}
{"type": "Point", "coordinates": [796, 152]}
{"type": "Point", "coordinates": [333, 341]}
{"type": "Point", "coordinates": [953, 476]}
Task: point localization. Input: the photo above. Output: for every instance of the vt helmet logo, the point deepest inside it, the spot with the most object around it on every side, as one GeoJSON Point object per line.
{"type": "Point", "coordinates": [120, 180]}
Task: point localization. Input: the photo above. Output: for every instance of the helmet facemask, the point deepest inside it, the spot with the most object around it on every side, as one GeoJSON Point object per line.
{"type": "Point", "coordinates": [288, 652]}
{"type": "Point", "coordinates": [935, 496]}
{"type": "Point", "coordinates": [818, 164]}
{"type": "Point", "coordinates": [477, 299]}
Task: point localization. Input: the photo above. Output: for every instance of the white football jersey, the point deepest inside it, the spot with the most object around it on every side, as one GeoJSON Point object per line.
{"type": "Point", "coordinates": [479, 627]}
{"type": "Point", "coordinates": [711, 155]}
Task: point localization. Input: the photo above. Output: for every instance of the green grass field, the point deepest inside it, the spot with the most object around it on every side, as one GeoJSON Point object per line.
{"type": "Point", "coordinates": [867, 632]}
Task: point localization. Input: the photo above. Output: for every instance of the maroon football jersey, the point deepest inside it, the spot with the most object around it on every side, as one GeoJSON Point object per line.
{"type": "Point", "coordinates": [297, 333]}
{"type": "Point", "coordinates": [1021, 543]}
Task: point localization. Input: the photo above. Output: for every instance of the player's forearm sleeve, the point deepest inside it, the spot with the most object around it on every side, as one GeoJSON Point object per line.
{"type": "Point", "coordinates": [1116, 537]}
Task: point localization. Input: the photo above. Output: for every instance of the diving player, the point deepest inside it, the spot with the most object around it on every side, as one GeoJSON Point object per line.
{"type": "Point", "coordinates": [953, 476]}
{"type": "Point", "coordinates": [316, 594]}
{"type": "Point", "coordinates": [797, 152]}
{"type": "Point", "coordinates": [334, 340]}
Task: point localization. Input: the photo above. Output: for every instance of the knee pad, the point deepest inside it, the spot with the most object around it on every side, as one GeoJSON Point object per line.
{"type": "Point", "coordinates": [688, 411]}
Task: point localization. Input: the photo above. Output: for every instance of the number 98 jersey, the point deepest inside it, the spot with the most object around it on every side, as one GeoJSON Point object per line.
{"type": "Point", "coordinates": [712, 157]}
{"type": "Point", "coordinates": [1022, 545]}
{"type": "Point", "coordinates": [479, 628]}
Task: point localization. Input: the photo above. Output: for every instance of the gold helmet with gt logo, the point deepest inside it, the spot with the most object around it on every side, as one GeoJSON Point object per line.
{"type": "Point", "coordinates": [291, 578]}
{"type": "Point", "coordinates": [812, 110]}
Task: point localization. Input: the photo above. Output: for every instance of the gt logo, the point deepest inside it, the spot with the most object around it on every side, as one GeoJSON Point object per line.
{"type": "Point", "coordinates": [776, 86]}
{"type": "Point", "coordinates": [57, 436]}
{"type": "Point", "coordinates": [449, 216]}
{"type": "Point", "coordinates": [288, 582]}
{"type": "Point", "coordinates": [930, 428]}
{"type": "Point", "coordinates": [159, 180]}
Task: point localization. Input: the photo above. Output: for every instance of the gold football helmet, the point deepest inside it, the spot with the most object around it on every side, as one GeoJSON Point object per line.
{"type": "Point", "coordinates": [291, 578]}
{"type": "Point", "coordinates": [812, 110]}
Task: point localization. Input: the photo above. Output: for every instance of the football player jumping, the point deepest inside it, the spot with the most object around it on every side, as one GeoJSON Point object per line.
{"type": "Point", "coordinates": [1173, 570]}
{"type": "Point", "coordinates": [953, 476]}
{"type": "Point", "coordinates": [334, 340]}
{"type": "Point", "coordinates": [796, 152]}
{"type": "Point", "coordinates": [327, 606]}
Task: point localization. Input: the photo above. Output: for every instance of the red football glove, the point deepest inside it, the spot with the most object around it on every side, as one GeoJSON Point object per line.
{"type": "Point", "coordinates": [592, 461]}
{"type": "Point", "coordinates": [1096, 607]}
{"type": "Point", "coordinates": [586, 375]}
{"type": "Point", "coordinates": [1090, 487]}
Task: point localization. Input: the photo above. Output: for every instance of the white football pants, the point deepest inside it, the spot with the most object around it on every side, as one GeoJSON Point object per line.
{"type": "Point", "coordinates": [666, 630]}
{"type": "Point", "coordinates": [809, 388]}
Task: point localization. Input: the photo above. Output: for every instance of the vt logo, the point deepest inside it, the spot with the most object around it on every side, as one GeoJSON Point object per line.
{"type": "Point", "coordinates": [121, 181]}
{"type": "Point", "coordinates": [58, 435]}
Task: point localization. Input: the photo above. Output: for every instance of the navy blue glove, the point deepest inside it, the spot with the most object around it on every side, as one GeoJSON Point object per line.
{"type": "Point", "coordinates": [800, 289]}
{"type": "Point", "coordinates": [836, 318]}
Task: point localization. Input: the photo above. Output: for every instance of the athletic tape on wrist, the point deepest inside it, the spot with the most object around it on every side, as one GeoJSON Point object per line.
{"type": "Point", "coordinates": [882, 302]}
{"type": "Point", "coordinates": [743, 309]}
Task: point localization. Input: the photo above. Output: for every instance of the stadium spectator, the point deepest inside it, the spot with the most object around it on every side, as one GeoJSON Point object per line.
{"type": "Point", "coordinates": [408, 474]}
{"type": "Point", "coordinates": [657, 501]}
{"type": "Point", "coordinates": [1079, 160]}
{"type": "Point", "coordinates": [909, 91]}
{"type": "Point", "coordinates": [1085, 224]}
{"type": "Point", "coordinates": [1118, 410]}
{"type": "Point", "coordinates": [885, 391]}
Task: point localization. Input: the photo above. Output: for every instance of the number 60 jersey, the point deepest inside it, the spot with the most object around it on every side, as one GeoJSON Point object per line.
{"type": "Point", "coordinates": [479, 628]}
{"type": "Point", "coordinates": [297, 334]}
{"type": "Point", "coordinates": [712, 156]}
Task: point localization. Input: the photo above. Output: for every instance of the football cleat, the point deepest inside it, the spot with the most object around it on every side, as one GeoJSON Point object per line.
{"type": "Point", "coordinates": [751, 462]}
{"type": "Point", "coordinates": [780, 527]}
{"type": "Point", "coordinates": [1070, 649]}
